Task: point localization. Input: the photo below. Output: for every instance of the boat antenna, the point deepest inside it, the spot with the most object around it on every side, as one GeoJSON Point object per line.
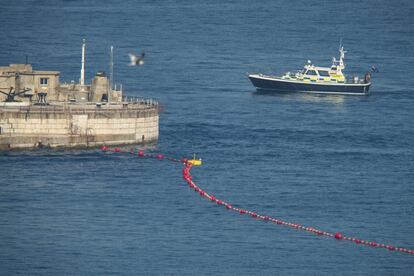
{"type": "Point", "coordinates": [82, 77]}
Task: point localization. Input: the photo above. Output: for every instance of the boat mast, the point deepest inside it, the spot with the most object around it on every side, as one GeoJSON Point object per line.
{"type": "Point", "coordinates": [342, 57]}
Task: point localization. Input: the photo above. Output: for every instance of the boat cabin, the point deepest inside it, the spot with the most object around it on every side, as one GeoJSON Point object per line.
{"type": "Point", "coordinates": [321, 74]}
{"type": "Point", "coordinates": [312, 73]}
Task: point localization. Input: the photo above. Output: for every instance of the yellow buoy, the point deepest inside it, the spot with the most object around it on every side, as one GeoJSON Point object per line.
{"type": "Point", "coordinates": [195, 162]}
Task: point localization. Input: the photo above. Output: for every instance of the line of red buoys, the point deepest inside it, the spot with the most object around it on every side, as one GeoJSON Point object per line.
{"type": "Point", "coordinates": [189, 179]}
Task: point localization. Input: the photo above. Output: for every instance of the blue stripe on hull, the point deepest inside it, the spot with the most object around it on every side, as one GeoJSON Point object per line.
{"type": "Point", "coordinates": [288, 86]}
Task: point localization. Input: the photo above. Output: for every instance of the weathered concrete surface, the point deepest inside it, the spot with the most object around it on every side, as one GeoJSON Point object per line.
{"type": "Point", "coordinates": [78, 125]}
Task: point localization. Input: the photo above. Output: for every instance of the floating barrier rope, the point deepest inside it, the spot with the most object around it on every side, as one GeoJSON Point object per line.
{"type": "Point", "coordinates": [189, 179]}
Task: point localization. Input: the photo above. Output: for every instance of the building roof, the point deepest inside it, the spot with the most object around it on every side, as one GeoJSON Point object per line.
{"type": "Point", "coordinates": [38, 72]}
{"type": "Point", "coordinates": [25, 69]}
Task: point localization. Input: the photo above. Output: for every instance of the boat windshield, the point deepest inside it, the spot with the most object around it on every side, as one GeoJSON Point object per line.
{"type": "Point", "coordinates": [323, 73]}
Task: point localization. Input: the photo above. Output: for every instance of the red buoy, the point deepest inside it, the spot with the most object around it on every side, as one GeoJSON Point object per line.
{"type": "Point", "coordinates": [338, 236]}
{"type": "Point", "coordinates": [373, 244]}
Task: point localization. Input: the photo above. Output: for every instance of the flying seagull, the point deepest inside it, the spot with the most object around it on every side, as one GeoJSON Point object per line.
{"type": "Point", "coordinates": [136, 60]}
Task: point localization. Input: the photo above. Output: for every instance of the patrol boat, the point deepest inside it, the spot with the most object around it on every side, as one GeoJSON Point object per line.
{"type": "Point", "coordinates": [314, 79]}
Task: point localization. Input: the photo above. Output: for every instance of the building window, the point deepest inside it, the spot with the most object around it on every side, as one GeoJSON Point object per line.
{"type": "Point", "coordinates": [44, 81]}
{"type": "Point", "coordinates": [1, 130]}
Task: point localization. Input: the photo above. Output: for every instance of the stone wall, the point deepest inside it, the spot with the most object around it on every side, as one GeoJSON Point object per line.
{"type": "Point", "coordinates": [77, 128]}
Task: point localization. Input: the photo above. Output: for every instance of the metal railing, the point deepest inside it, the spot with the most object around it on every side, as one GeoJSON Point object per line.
{"type": "Point", "coordinates": [129, 104]}
{"type": "Point", "coordinates": [139, 100]}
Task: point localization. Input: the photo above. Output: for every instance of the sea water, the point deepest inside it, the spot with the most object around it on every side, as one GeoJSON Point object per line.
{"type": "Point", "coordinates": [337, 163]}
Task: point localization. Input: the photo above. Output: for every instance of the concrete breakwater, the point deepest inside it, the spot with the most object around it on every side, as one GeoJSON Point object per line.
{"type": "Point", "coordinates": [78, 125]}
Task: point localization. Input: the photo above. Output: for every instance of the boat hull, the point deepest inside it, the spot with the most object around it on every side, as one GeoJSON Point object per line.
{"type": "Point", "coordinates": [267, 83]}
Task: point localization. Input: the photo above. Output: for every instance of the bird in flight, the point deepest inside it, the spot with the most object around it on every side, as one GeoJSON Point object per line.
{"type": "Point", "coordinates": [135, 60]}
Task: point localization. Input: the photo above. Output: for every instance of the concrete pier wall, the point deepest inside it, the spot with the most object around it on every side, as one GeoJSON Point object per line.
{"type": "Point", "coordinates": [87, 126]}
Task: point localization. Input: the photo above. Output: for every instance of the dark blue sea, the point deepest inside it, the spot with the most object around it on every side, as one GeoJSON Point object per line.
{"type": "Point", "coordinates": [337, 163]}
